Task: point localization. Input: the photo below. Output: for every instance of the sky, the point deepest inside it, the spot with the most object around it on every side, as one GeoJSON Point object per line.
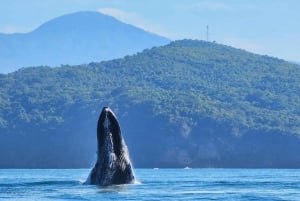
{"type": "Point", "coordinates": [268, 27]}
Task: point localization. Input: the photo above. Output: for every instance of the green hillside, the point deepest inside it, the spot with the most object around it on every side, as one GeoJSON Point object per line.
{"type": "Point", "coordinates": [184, 90]}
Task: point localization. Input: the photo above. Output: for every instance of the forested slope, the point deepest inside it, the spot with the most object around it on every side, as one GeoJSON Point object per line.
{"type": "Point", "coordinates": [189, 103]}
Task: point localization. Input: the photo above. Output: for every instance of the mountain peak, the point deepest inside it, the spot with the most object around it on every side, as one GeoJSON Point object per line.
{"type": "Point", "coordinates": [77, 21]}
{"type": "Point", "coordinates": [75, 38]}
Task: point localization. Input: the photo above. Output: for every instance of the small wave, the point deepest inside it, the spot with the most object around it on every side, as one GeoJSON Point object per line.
{"type": "Point", "coordinates": [7, 185]}
{"type": "Point", "coordinates": [50, 183]}
{"type": "Point", "coordinates": [40, 183]}
{"type": "Point", "coordinates": [187, 168]}
{"type": "Point", "coordinates": [82, 181]}
{"type": "Point", "coordinates": [137, 182]}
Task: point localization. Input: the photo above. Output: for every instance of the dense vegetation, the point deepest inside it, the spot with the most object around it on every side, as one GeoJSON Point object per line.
{"type": "Point", "coordinates": [180, 88]}
{"type": "Point", "coordinates": [181, 80]}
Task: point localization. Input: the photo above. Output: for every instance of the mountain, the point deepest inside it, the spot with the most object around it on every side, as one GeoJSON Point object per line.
{"type": "Point", "coordinates": [75, 38]}
{"type": "Point", "coordinates": [188, 103]}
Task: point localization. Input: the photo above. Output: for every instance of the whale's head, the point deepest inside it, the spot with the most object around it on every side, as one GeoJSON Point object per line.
{"type": "Point", "coordinates": [113, 165]}
{"type": "Point", "coordinates": [109, 133]}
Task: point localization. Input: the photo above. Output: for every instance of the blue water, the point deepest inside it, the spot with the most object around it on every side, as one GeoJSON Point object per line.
{"type": "Point", "coordinates": [155, 184]}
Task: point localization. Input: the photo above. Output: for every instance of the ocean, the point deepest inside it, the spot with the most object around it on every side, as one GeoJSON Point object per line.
{"type": "Point", "coordinates": [154, 184]}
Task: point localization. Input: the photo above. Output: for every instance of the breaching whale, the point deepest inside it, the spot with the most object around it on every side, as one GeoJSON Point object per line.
{"type": "Point", "coordinates": [113, 165]}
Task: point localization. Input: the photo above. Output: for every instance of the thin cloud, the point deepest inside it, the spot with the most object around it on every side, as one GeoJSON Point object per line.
{"type": "Point", "coordinates": [127, 17]}
{"type": "Point", "coordinates": [134, 19]}
{"type": "Point", "coordinates": [10, 29]}
{"type": "Point", "coordinates": [225, 7]}
{"type": "Point", "coordinates": [213, 6]}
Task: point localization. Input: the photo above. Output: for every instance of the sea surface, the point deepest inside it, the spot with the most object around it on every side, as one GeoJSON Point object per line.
{"type": "Point", "coordinates": [154, 184]}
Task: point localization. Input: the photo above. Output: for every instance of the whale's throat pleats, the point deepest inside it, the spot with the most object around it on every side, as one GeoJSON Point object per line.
{"type": "Point", "coordinates": [109, 143]}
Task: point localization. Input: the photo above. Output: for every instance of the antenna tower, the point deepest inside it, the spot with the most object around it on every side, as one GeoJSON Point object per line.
{"type": "Point", "coordinates": [207, 33]}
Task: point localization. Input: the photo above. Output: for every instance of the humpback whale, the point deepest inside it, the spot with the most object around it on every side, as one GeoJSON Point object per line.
{"type": "Point", "coordinates": [113, 165]}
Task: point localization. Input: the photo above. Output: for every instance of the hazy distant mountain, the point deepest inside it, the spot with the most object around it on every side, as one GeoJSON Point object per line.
{"type": "Point", "coordinates": [189, 103]}
{"type": "Point", "coordinates": [74, 39]}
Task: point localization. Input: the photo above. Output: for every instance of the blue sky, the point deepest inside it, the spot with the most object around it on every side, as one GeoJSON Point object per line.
{"type": "Point", "coordinates": [269, 27]}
